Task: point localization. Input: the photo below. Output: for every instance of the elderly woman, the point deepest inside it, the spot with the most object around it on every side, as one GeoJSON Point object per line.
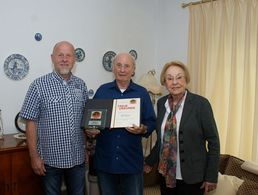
{"type": "Point", "coordinates": [187, 149]}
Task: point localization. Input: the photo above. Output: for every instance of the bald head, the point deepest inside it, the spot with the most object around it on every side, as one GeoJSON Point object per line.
{"type": "Point", "coordinates": [62, 43]}
{"type": "Point", "coordinates": [124, 55]}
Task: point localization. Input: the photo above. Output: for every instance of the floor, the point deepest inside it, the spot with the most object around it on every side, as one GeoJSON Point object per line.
{"type": "Point", "coordinates": [92, 188]}
{"type": "Point", "coordinates": [152, 190]}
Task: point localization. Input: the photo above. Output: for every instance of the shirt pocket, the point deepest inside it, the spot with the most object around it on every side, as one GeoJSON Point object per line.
{"type": "Point", "coordinates": [55, 102]}
{"type": "Point", "coordinates": [78, 93]}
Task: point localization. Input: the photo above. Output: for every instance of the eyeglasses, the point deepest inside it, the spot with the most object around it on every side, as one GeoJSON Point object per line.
{"type": "Point", "coordinates": [177, 78]}
{"type": "Point", "coordinates": [125, 66]}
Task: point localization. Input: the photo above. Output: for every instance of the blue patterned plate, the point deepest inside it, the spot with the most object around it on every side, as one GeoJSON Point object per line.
{"type": "Point", "coordinates": [16, 67]}
{"type": "Point", "coordinates": [107, 60]}
{"type": "Point", "coordinates": [80, 54]}
{"type": "Point", "coordinates": [133, 53]}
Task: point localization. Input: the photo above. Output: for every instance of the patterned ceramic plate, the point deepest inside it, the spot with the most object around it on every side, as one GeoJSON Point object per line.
{"type": "Point", "coordinates": [107, 60]}
{"type": "Point", "coordinates": [133, 53]}
{"type": "Point", "coordinates": [80, 54]}
{"type": "Point", "coordinates": [16, 67]}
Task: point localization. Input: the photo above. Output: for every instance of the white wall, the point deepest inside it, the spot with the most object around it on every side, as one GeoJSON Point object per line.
{"type": "Point", "coordinates": [156, 29]}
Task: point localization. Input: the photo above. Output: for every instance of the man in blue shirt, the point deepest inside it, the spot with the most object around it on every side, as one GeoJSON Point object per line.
{"type": "Point", "coordinates": [53, 109]}
{"type": "Point", "coordinates": [118, 157]}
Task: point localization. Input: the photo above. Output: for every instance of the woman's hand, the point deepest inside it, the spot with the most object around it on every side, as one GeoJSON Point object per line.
{"type": "Point", "coordinates": [208, 187]}
{"type": "Point", "coordinates": [147, 168]}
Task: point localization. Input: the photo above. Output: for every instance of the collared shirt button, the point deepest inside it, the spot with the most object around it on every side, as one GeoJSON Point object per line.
{"type": "Point", "coordinates": [117, 147]}
{"type": "Point", "coordinates": [118, 136]}
{"type": "Point", "coordinates": [117, 158]}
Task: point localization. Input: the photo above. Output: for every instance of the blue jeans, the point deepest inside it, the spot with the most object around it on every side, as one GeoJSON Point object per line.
{"type": "Point", "coordinates": [120, 184]}
{"type": "Point", "coordinates": [74, 180]}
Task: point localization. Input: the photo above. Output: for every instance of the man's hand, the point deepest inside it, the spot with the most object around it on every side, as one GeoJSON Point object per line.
{"type": "Point", "coordinates": [92, 133]}
{"type": "Point", "coordinates": [137, 130]}
{"type": "Point", "coordinates": [37, 165]}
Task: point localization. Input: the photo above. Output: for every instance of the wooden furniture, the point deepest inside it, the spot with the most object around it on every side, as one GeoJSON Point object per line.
{"type": "Point", "coordinates": [231, 165]}
{"type": "Point", "coordinates": [16, 175]}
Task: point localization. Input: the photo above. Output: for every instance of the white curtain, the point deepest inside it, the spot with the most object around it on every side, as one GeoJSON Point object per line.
{"type": "Point", "coordinates": [222, 60]}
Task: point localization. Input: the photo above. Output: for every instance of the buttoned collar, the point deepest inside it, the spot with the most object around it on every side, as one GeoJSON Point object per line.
{"type": "Point", "coordinates": [61, 79]}
{"type": "Point", "coordinates": [131, 86]}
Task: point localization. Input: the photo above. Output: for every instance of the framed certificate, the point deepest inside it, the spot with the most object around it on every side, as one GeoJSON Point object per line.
{"type": "Point", "coordinates": [125, 113]}
{"type": "Point", "coordinates": [111, 113]}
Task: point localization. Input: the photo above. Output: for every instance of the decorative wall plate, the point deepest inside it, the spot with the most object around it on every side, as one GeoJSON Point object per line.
{"type": "Point", "coordinates": [133, 53]}
{"type": "Point", "coordinates": [16, 67]}
{"type": "Point", "coordinates": [80, 54]}
{"type": "Point", "coordinates": [91, 92]}
{"type": "Point", "coordinates": [38, 37]}
{"type": "Point", "coordinates": [107, 60]}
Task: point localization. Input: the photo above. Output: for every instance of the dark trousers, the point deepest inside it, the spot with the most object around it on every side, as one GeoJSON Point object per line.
{"type": "Point", "coordinates": [120, 184]}
{"type": "Point", "coordinates": [181, 188]}
{"type": "Point", "coordinates": [74, 180]}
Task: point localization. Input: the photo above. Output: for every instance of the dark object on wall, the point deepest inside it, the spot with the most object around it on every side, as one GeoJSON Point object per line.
{"type": "Point", "coordinates": [79, 54]}
{"type": "Point", "coordinates": [38, 37]}
{"type": "Point", "coordinates": [19, 123]}
{"type": "Point", "coordinates": [91, 92]}
{"type": "Point", "coordinates": [107, 60]}
{"type": "Point", "coordinates": [133, 53]}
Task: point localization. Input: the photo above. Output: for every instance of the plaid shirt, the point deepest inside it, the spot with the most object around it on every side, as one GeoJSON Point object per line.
{"type": "Point", "coordinates": [57, 107]}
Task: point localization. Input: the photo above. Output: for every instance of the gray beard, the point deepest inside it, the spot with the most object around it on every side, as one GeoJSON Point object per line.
{"type": "Point", "coordinates": [64, 71]}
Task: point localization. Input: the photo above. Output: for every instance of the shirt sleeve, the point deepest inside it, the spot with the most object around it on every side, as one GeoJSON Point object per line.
{"type": "Point", "coordinates": [148, 116]}
{"type": "Point", "coordinates": [30, 108]}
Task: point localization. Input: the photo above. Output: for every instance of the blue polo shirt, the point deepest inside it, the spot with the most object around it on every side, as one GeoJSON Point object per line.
{"type": "Point", "coordinates": [117, 150]}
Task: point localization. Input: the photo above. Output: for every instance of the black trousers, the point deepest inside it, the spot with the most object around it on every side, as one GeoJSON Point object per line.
{"type": "Point", "coordinates": [181, 188]}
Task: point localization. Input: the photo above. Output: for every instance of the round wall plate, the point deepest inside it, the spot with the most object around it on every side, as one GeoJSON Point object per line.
{"type": "Point", "coordinates": [38, 36]}
{"type": "Point", "coordinates": [91, 92]}
{"type": "Point", "coordinates": [16, 67]}
{"type": "Point", "coordinates": [133, 53]}
{"type": "Point", "coordinates": [107, 60]}
{"type": "Point", "coordinates": [79, 54]}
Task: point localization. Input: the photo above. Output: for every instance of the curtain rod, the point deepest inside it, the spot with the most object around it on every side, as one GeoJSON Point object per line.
{"type": "Point", "coordinates": [184, 5]}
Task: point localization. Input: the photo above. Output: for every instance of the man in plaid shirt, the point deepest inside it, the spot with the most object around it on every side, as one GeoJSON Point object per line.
{"type": "Point", "coordinates": [53, 109]}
